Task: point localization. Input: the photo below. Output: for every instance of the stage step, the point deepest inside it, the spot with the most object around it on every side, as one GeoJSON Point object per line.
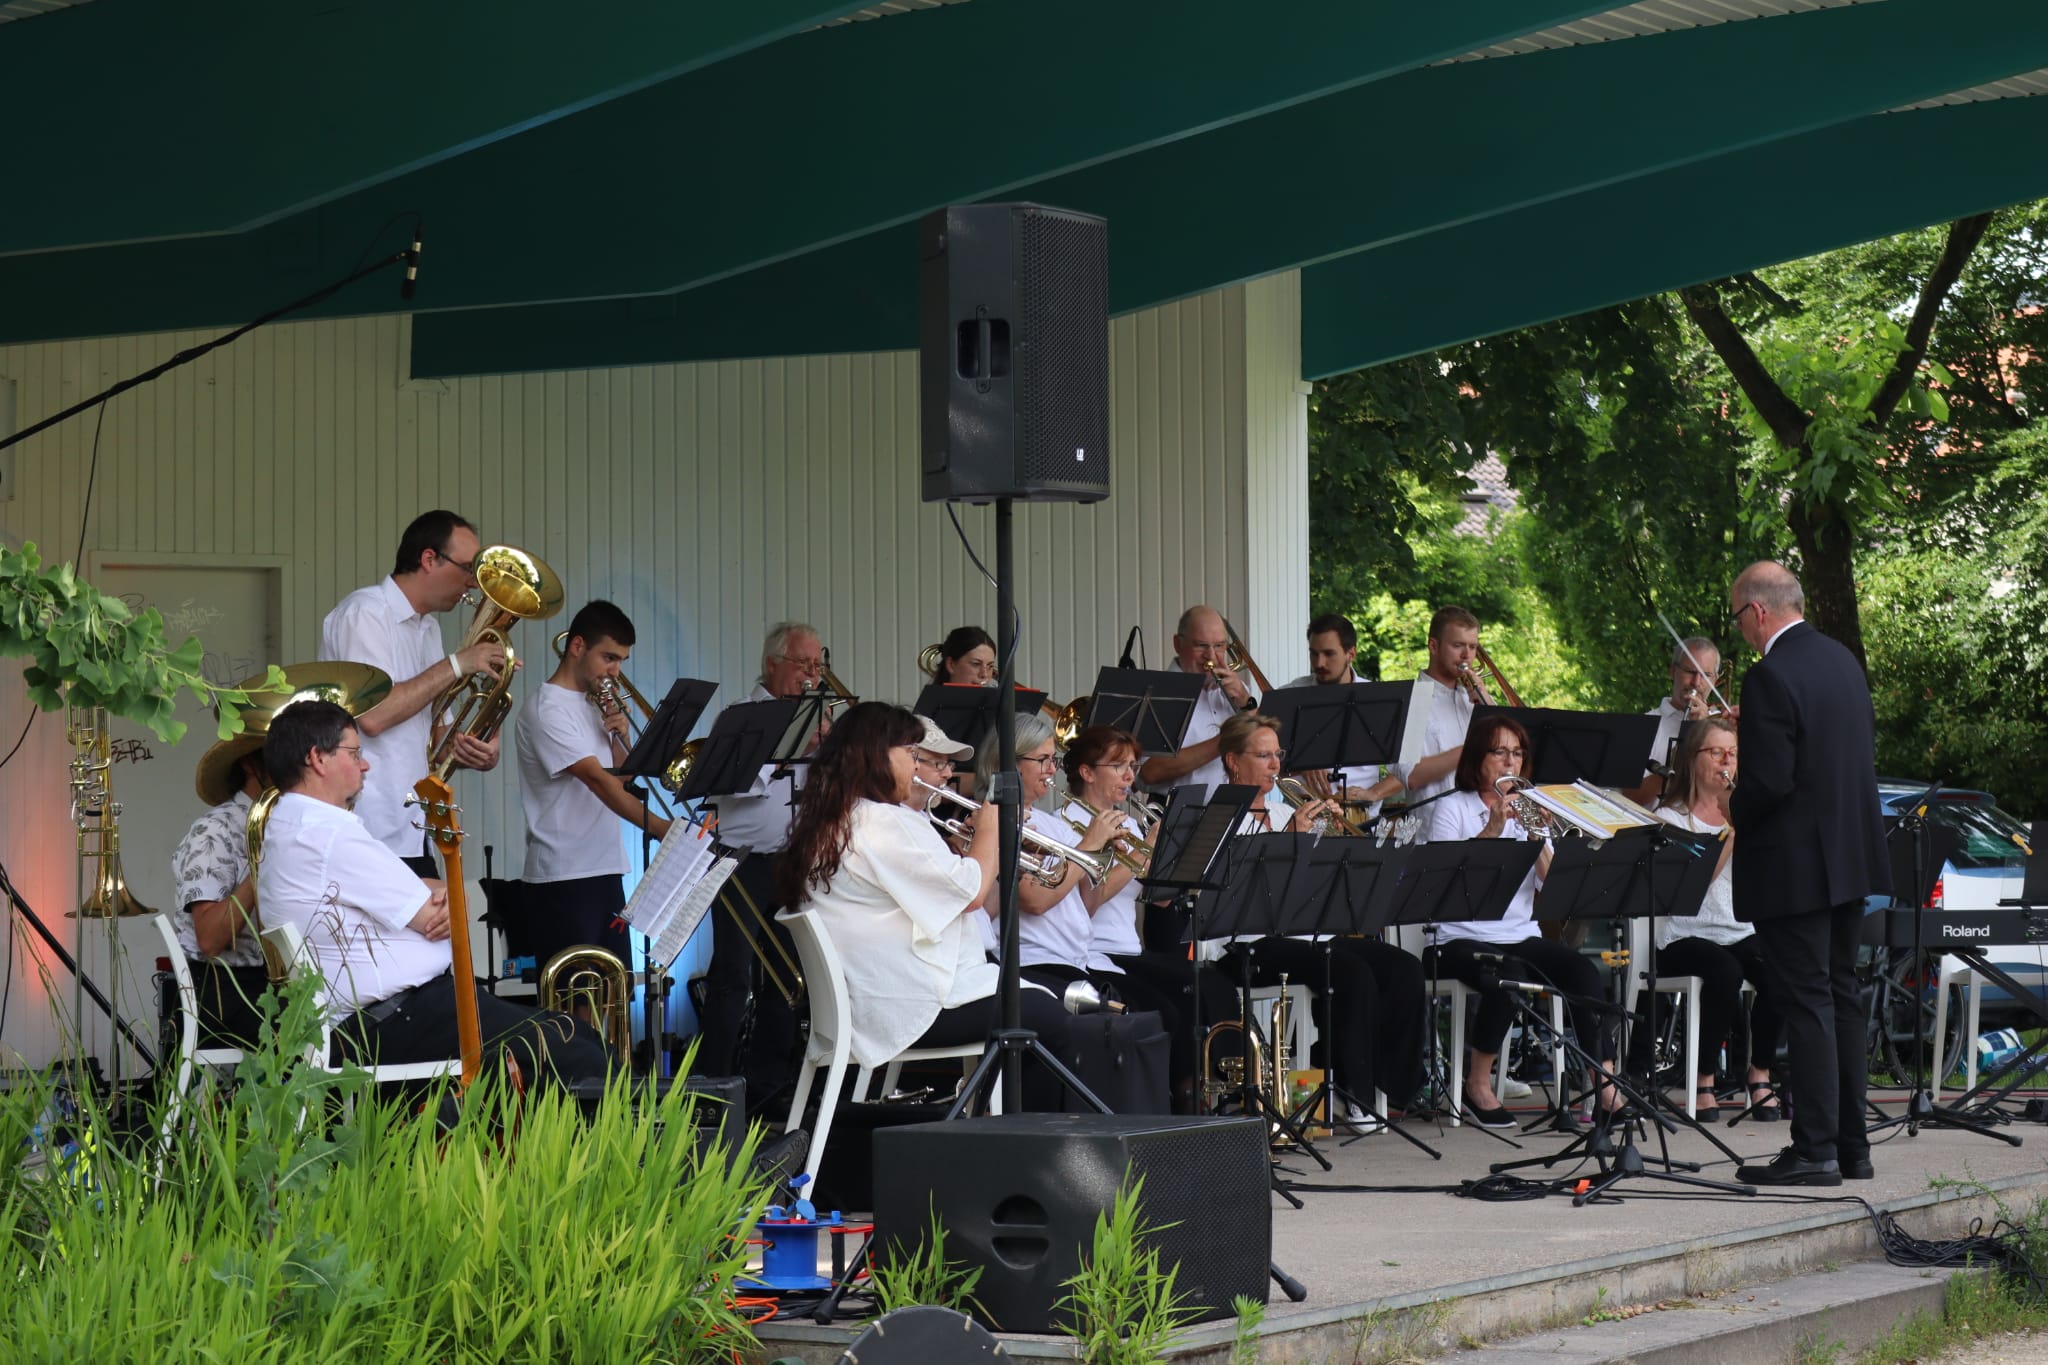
{"type": "Point", "coordinates": [1821, 1315]}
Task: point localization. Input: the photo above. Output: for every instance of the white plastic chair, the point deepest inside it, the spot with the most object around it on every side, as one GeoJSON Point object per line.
{"type": "Point", "coordinates": [191, 1057]}
{"type": "Point", "coordinates": [284, 948]}
{"type": "Point", "coordinates": [1458, 995]}
{"type": "Point", "coordinates": [1953, 972]}
{"type": "Point", "coordinates": [1688, 989]}
{"type": "Point", "coordinates": [832, 1036]}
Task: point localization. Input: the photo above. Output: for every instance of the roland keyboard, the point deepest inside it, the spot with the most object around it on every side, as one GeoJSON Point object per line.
{"type": "Point", "coordinates": [2000, 928]}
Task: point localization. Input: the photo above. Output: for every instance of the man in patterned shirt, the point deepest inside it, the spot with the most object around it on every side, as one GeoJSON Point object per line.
{"type": "Point", "coordinates": [217, 892]}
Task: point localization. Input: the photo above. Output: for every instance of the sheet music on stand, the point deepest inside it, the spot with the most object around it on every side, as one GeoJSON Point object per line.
{"type": "Point", "coordinates": [677, 891]}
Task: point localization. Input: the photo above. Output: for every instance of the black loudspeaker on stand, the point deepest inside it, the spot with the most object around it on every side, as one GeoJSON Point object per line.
{"type": "Point", "coordinates": [1018, 1196]}
{"type": "Point", "coordinates": [1014, 353]}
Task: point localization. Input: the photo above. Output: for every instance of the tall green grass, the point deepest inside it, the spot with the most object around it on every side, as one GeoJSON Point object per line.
{"type": "Point", "coordinates": [286, 1224]}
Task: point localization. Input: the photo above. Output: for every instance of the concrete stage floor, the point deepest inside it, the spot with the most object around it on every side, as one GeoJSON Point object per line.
{"type": "Point", "coordinates": [1386, 1252]}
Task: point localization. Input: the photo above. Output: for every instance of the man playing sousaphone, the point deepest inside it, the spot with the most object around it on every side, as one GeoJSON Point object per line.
{"type": "Point", "coordinates": [390, 625]}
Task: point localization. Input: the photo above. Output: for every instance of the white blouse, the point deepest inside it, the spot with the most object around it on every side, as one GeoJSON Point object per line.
{"type": "Point", "coordinates": [895, 913]}
{"type": "Point", "coordinates": [1716, 922]}
{"type": "Point", "coordinates": [1461, 815]}
{"type": "Point", "coordinates": [1114, 927]}
{"type": "Point", "coordinates": [1062, 935]}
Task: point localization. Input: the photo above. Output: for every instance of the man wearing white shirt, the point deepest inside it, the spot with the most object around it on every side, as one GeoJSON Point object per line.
{"type": "Point", "coordinates": [573, 879]}
{"type": "Point", "coordinates": [1332, 659]}
{"type": "Point", "coordinates": [1201, 645]}
{"type": "Point", "coordinates": [391, 626]}
{"type": "Point", "coordinates": [1454, 689]}
{"type": "Point", "coordinates": [757, 822]}
{"type": "Point", "coordinates": [1688, 699]}
{"type": "Point", "coordinates": [378, 934]}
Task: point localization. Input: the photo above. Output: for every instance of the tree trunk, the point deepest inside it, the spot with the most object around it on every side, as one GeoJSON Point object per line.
{"type": "Point", "coordinates": [1828, 573]}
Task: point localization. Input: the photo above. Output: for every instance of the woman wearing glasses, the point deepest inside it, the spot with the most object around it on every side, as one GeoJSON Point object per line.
{"type": "Point", "coordinates": [1713, 945]}
{"type": "Point", "coordinates": [1373, 1016]}
{"type": "Point", "coordinates": [1056, 925]}
{"type": "Point", "coordinates": [897, 902]}
{"type": "Point", "coordinates": [1472, 952]}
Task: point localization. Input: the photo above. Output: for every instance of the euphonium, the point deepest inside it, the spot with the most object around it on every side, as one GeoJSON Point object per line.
{"type": "Point", "coordinates": [98, 816]}
{"type": "Point", "coordinates": [1226, 1075]}
{"type": "Point", "coordinates": [511, 585]}
{"type": "Point", "coordinates": [591, 984]}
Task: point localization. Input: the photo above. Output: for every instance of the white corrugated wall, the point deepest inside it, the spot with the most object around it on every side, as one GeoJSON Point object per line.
{"type": "Point", "coordinates": [707, 500]}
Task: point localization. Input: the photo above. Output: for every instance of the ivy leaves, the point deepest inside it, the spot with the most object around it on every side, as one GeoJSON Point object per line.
{"type": "Point", "coordinates": [88, 649]}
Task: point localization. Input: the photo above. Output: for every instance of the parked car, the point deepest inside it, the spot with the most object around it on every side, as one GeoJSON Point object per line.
{"type": "Point", "coordinates": [1987, 866]}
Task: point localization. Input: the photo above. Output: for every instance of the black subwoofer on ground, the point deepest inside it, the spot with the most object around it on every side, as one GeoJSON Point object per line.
{"type": "Point", "coordinates": [1014, 358]}
{"type": "Point", "coordinates": [1018, 1196]}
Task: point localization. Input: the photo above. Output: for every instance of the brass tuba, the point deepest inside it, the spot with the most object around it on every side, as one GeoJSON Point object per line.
{"type": "Point", "coordinates": [1268, 1069]}
{"type": "Point", "coordinates": [591, 984]}
{"type": "Point", "coordinates": [98, 815]}
{"type": "Point", "coordinates": [511, 585]}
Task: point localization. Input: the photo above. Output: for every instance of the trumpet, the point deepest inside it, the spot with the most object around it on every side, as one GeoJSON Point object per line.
{"type": "Point", "coordinates": [511, 585]}
{"type": "Point", "coordinates": [1500, 679]}
{"type": "Point", "coordinates": [1126, 848]}
{"type": "Point", "coordinates": [1049, 856]}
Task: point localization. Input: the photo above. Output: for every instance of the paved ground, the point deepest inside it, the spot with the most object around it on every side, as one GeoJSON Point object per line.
{"type": "Point", "coordinates": [2016, 1348]}
{"type": "Point", "coordinates": [1408, 1235]}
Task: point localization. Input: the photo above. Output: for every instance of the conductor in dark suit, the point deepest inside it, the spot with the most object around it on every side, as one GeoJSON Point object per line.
{"type": "Point", "coordinates": [1809, 846]}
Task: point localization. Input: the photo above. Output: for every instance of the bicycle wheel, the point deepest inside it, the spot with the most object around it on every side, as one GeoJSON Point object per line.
{"type": "Point", "coordinates": [1904, 987]}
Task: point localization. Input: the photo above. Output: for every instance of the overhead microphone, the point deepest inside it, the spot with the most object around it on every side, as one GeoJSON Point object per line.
{"type": "Point", "coordinates": [411, 283]}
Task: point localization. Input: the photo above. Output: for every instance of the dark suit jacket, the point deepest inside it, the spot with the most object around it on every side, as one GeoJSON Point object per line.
{"type": "Point", "coordinates": [1808, 830]}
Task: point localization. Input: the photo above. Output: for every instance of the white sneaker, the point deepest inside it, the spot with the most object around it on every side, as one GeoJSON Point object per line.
{"type": "Point", "coordinates": [1515, 1089]}
{"type": "Point", "coordinates": [1357, 1118]}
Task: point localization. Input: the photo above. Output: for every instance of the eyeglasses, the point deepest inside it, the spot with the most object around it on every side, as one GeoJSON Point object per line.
{"type": "Point", "coordinates": [468, 568]}
{"type": "Point", "coordinates": [807, 665]}
{"type": "Point", "coordinates": [354, 750]}
{"type": "Point", "coordinates": [1506, 753]}
{"type": "Point", "coordinates": [1114, 767]}
{"type": "Point", "coordinates": [1718, 752]}
{"type": "Point", "coordinates": [930, 761]}
{"type": "Point", "coordinates": [1735, 617]}
{"type": "Point", "coordinates": [1048, 761]}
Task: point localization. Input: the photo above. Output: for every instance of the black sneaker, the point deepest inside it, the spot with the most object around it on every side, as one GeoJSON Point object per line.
{"type": "Point", "coordinates": [1790, 1168]}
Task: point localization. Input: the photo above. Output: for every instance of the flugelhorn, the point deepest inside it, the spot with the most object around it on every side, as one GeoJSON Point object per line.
{"type": "Point", "coordinates": [1126, 848]}
{"type": "Point", "coordinates": [1539, 821]}
{"type": "Point", "coordinates": [1298, 794]}
{"type": "Point", "coordinates": [511, 585]}
{"type": "Point", "coordinates": [1049, 855]}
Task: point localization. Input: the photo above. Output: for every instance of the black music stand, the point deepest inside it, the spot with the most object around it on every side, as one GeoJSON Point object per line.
{"type": "Point", "coordinates": [1348, 725]}
{"type": "Point", "coordinates": [968, 713]}
{"type": "Point", "coordinates": [1918, 849]}
{"type": "Point", "coordinates": [1153, 704]}
{"type": "Point", "coordinates": [1605, 748]}
{"type": "Point", "coordinates": [1455, 882]}
{"type": "Point", "coordinates": [1254, 901]}
{"type": "Point", "coordinates": [649, 758]}
{"type": "Point", "coordinates": [743, 740]}
{"type": "Point", "coordinates": [1645, 872]}
{"type": "Point", "coordinates": [1349, 890]}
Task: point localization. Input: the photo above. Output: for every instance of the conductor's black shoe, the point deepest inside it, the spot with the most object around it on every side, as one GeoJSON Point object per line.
{"type": "Point", "coordinates": [1856, 1167]}
{"type": "Point", "coordinates": [1790, 1168]}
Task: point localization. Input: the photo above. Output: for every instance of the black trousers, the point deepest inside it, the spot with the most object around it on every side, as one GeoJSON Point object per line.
{"type": "Point", "coordinates": [977, 1019]}
{"type": "Point", "coordinates": [567, 914]}
{"type": "Point", "coordinates": [546, 1045]}
{"type": "Point", "coordinates": [228, 1016]}
{"type": "Point", "coordinates": [1537, 959]}
{"type": "Point", "coordinates": [1811, 962]}
{"type": "Point", "coordinates": [1722, 968]}
{"type": "Point", "coordinates": [1370, 1018]}
{"type": "Point", "coordinates": [759, 1043]}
